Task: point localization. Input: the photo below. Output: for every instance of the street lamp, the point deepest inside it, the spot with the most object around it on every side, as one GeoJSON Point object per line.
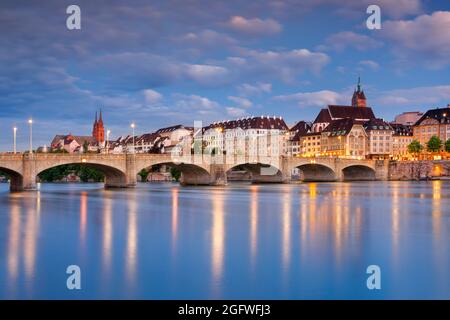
{"type": "Point", "coordinates": [14, 139]}
{"type": "Point", "coordinates": [108, 132]}
{"type": "Point", "coordinates": [133, 125]}
{"type": "Point", "coordinates": [30, 122]}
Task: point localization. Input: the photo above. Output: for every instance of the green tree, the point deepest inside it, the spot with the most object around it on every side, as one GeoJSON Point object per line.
{"type": "Point", "coordinates": [144, 174]}
{"type": "Point", "coordinates": [415, 147]}
{"type": "Point", "coordinates": [447, 145]}
{"type": "Point", "coordinates": [175, 173]}
{"type": "Point", "coordinates": [434, 144]}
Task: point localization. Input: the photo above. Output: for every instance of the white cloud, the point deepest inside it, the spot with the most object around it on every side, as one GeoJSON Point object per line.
{"type": "Point", "coordinates": [286, 65]}
{"type": "Point", "coordinates": [424, 97]}
{"type": "Point", "coordinates": [313, 99]}
{"type": "Point", "coordinates": [194, 102]}
{"type": "Point", "coordinates": [369, 64]}
{"type": "Point", "coordinates": [152, 96]}
{"type": "Point", "coordinates": [427, 36]}
{"type": "Point", "coordinates": [254, 89]}
{"type": "Point", "coordinates": [241, 102]}
{"type": "Point", "coordinates": [206, 74]}
{"type": "Point", "coordinates": [236, 112]}
{"type": "Point", "coordinates": [208, 39]}
{"type": "Point", "coordinates": [255, 26]}
{"type": "Point", "coordinates": [348, 39]}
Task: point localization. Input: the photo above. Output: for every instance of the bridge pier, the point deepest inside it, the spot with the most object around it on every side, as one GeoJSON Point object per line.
{"type": "Point", "coordinates": [29, 173]}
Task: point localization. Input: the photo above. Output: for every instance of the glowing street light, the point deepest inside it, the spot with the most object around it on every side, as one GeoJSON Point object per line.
{"type": "Point", "coordinates": [133, 126]}
{"type": "Point", "coordinates": [14, 139]}
{"type": "Point", "coordinates": [30, 122]}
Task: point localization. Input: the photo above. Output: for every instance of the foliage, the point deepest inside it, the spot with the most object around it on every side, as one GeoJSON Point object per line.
{"type": "Point", "coordinates": [447, 145]}
{"type": "Point", "coordinates": [144, 174]}
{"type": "Point", "coordinates": [434, 144]}
{"type": "Point", "coordinates": [175, 173]}
{"type": "Point", "coordinates": [415, 147]}
{"type": "Point", "coordinates": [85, 173]}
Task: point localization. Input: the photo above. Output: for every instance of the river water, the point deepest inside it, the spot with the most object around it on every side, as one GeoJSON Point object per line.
{"type": "Point", "coordinates": [242, 241]}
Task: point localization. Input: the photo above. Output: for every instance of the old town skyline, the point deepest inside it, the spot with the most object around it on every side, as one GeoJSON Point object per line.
{"type": "Point", "coordinates": [260, 59]}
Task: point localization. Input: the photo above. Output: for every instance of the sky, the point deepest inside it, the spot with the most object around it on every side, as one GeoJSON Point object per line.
{"type": "Point", "coordinates": [161, 63]}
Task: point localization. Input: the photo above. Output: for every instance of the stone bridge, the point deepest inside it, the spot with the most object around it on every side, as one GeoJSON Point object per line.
{"type": "Point", "coordinates": [121, 170]}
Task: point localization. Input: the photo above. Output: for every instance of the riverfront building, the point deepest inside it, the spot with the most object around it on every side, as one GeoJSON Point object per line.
{"type": "Point", "coordinates": [435, 122]}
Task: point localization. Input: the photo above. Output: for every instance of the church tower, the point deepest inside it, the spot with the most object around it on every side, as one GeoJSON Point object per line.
{"type": "Point", "coordinates": [359, 98]}
{"type": "Point", "coordinates": [98, 131]}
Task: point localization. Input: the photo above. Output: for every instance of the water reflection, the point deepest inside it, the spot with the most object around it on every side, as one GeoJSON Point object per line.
{"type": "Point", "coordinates": [218, 238]}
{"type": "Point", "coordinates": [107, 248]}
{"type": "Point", "coordinates": [265, 241]}
{"type": "Point", "coordinates": [174, 219]}
{"type": "Point", "coordinates": [14, 242]}
{"type": "Point", "coordinates": [253, 224]}
{"type": "Point", "coordinates": [132, 238]}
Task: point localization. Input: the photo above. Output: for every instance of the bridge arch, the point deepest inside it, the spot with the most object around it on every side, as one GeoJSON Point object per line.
{"type": "Point", "coordinates": [259, 172]}
{"type": "Point", "coordinates": [316, 172]}
{"type": "Point", "coordinates": [15, 179]}
{"type": "Point", "coordinates": [358, 172]}
{"type": "Point", "coordinates": [114, 177]}
{"type": "Point", "coordinates": [191, 174]}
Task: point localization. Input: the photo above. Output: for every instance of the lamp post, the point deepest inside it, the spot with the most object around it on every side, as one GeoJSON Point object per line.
{"type": "Point", "coordinates": [30, 122]}
{"type": "Point", "coordinates": [133, 125]}
{"type": "Point", "coordinates": [14, 139]}
{"type": "Point", "coordinates": [108, 132]}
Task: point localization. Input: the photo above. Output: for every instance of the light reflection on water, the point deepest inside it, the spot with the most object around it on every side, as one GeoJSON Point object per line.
{"type": "Point", "coordinates": [241, 241]}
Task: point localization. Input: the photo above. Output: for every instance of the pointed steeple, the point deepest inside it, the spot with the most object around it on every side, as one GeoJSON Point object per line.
{"type": "Point", "coordinates": [359, 98]}
{"type": "Point", "coordinates": [95, 122]}
{"type": "Point", "coordinates": [101, 118]}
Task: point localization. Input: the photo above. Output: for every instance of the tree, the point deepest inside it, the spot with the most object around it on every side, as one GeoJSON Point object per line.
{"type": "Point", "coordinates": [434, 144]}
{"type": "Point", "coordinates": [415, 147]}
{"type": "Point", "coordinates": [447, 145]}
{"type": "Point", "coordinates": [175, 173]}
{"type": "Point", "coordinates": [144, 174]}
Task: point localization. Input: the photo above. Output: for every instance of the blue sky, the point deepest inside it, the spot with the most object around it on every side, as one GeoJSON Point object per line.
{"type": "Point", "coordinates": [160, 63]}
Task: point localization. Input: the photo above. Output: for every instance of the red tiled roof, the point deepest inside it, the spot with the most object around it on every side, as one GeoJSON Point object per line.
{"type": "Point", "coordinates": [323, 117]}
{"type": "Point", "coordinates": [252, 123]}
{"type": "Point", "coordinates": [357, 113]}
{"type": "Point", "coordinates": [342, 126]}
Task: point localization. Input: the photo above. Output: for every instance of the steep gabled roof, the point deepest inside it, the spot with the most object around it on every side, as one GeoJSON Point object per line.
{"type": "Point", "coordinates": [252, 123]}
{"type": "Point", "coordinates": [401, 129]}
{"type": "Point", "coordinates": [442, 115]}
{"type": "Point", "coordinates": [323, 117]}
{"type": "Point", "coordinates": [357, 113]}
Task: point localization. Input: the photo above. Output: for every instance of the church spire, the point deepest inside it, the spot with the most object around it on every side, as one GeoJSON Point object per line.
{"type": "Point", "coordinates": [101, 118]}
{"type": "Point", "coordinates": [359, 98]}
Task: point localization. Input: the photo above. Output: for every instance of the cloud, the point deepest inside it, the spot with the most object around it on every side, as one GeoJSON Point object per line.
{"type": "Point", "coordinates": [206, 74]}
{"type": "Point", "coordinates": [434, 96]}
{"type": "Point", "coordinates": [254, 89]}
{"type": "Point", "coordinates": [425, 37]}
{"type": "Point", "coordinates": [195, 102]}
{"type": "Point", "coordinates": [348, 39]}
{"type": "Point", "coordinates": [236, 112]}
{"type": "Point", "coordinates": [313, 99]}
{"type": "Point", "coordinates": [207, 39]}
{"type": "Point", "coordinates": [152, 96]}
{"type": "Point", "coordinates": [370, 64]}
{"type": "Point", "coordinates": [241, 102]}
{"type": "Point", "coordinates": [285, 65]}
{"type": "Point", "coordinates": [255, 26]}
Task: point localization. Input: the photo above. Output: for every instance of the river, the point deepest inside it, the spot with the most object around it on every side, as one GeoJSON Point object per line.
{"type": "Point", "coordinates": [242, 241]}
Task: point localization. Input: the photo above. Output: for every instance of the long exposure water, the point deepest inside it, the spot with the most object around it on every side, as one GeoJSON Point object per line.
{"type": "Point", "coordinates": [311, 240]}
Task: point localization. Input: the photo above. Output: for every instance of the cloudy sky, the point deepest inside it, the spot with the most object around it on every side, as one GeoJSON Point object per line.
{"type": "Point", "coordinates": [175, 61]}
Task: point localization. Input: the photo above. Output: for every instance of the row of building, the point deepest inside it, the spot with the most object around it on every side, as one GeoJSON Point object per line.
{"type": "Point", "coordinates": [338, 131]}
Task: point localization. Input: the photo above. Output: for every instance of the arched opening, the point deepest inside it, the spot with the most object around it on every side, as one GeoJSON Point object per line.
{"type": "Point", "coordinates": [316, 172]}
{"type": "Point", "coordinates": [358, 173]}
{"type": "Point", "coordinates": [84, 172]}
{"type": "Point", "coordinates": [254, 173]}
{"type": "Point", "coordinates": [14, 179]}
{"type": "Point", "coordinates": [186, 174]}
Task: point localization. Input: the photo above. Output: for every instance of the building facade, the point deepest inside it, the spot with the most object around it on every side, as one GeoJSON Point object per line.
{"type": "Point", "coordinates": [435, 122]}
